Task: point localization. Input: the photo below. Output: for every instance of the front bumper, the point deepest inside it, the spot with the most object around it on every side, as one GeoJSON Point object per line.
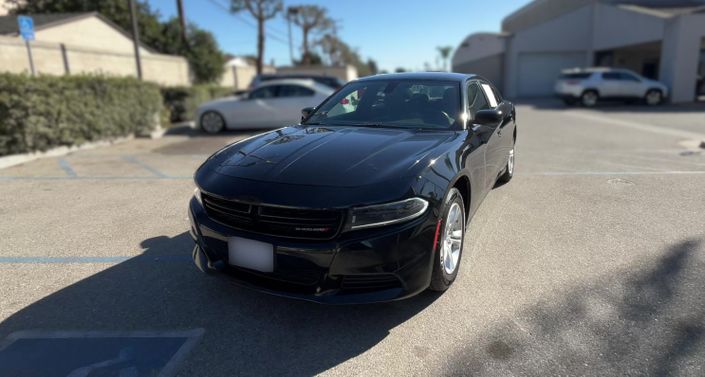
{"type": "Point", "coordinates": [371, 265]}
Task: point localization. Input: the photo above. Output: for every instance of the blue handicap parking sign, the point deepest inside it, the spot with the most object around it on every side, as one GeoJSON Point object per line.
{"type": "Point", "coordinates": [26, 25]}
{"type": "Point", "coordinates": [84, 354]}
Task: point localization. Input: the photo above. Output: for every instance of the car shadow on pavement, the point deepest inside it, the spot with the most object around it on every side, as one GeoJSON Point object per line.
{"type": "Point", "coordinates": [648, 322]}
{"type": "Point", "coordinates": [246, 332]}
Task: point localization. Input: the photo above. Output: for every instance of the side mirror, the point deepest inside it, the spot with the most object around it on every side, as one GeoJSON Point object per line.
{"type": "Point", "coordinates": [306, 112]}
{"type": "Point", "coordinates": [488, 116]}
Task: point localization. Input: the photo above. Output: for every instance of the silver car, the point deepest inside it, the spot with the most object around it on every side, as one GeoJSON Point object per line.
{"type": "Point", "coordinates": [273, 104]}
{"type": "Point", "coordinates": [588, 86]}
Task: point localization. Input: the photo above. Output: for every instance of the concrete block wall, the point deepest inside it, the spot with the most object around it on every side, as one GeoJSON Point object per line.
{"type": "Point", "coordinates": [162, 69]}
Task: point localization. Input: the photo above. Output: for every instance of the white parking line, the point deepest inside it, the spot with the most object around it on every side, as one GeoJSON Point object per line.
{"type": "Point", "coordinates": [637, 125]}
{"type": "Point", "coordinates": [575, 173]}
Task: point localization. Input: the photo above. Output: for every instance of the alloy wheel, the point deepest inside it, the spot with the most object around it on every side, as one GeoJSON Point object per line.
{"type": "Point", "coordinates": [452, 239]}
{"type": "Point", "coordinates": [212, 122]}
{"type": "Point", "coordinates": [653, 97]}
{"type": "Point", "coordinates": [589, 99]}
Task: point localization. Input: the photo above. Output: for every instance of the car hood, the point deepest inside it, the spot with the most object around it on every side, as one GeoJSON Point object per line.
{"type": "Point", "coordinates": [330, 156]}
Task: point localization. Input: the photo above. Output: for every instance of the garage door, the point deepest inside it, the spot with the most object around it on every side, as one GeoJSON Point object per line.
{"type": "Point", "coordinates": [538, 71]}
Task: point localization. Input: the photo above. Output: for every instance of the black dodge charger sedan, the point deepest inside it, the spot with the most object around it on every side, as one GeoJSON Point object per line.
{"type": "Point", "coordinates": [367, 199]}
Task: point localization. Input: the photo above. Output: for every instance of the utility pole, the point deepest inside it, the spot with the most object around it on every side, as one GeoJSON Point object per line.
{"type": "Point", "coordinates": [136, 38]}
{"type": "Point", "coordinates": [291, 11]}
{"type": "Point", "coordinates": [182, 20]}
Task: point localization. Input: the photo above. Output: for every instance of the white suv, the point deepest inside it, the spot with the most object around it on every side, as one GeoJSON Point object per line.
{"type": "Point", "coordinates": [590, 85]}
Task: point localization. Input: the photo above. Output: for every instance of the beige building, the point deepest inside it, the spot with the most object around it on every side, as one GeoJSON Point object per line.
{"type": "Point", "coordinates": [84, 43]}
{"type": "Point", "coordinates": [3, 8]}
{"type": "Point", "coordinates": [659, 39]}
{"type": "Point", "coordinates": [239, 72]}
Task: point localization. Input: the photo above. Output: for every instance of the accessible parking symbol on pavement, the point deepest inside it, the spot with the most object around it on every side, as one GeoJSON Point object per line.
{"type": "Point", "coordinates": [95, 353]}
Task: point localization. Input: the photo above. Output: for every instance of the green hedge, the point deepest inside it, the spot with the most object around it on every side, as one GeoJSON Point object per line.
{"type": "Point", "coordinates": [182, 101]}
{"type": "Point", "coordinates": [49, 111]}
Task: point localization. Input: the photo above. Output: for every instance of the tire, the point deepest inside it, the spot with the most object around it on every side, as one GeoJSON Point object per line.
{"type": "Point", "coordinates": [212, 122]}
{"type": "Point", "coordinates": [449, 250]}
{"type": "Point", "coordinates": [508, 168]}
{"type": "Point", "coordinates": [589, 98]}
{"type": "Point", "coordinates": [569, 101]}
{"type": "Point", "coordinates": [653, 97]}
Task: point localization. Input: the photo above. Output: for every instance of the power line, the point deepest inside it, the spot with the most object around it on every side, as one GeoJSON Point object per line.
{"type": "Point", "coordinates": [249, 23]}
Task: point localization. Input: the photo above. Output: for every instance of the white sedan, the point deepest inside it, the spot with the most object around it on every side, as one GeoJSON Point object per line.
{"type": "Point", "coordinates": [273, 104]}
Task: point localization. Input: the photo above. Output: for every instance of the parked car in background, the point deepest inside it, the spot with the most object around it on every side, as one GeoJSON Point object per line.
{"type": "Point", "coordinates": [591, 85]}
{"type": "Point", "coordinates": [330, 81]}
{"type": "Point", "coordinates": [270, 105]}
{"type": "Point", "coordinates": [368, 199]}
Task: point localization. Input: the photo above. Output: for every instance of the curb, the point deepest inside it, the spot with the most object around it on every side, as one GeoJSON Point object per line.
{"type": "Point", "coordinates": [156, 134]}
{"type": "Point", "coordinates": [16, 159]}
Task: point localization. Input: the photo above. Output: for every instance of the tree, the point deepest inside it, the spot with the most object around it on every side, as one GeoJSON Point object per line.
{"type": "Point", "coordinates": [340, 53]}
{"type": "Point", "coordinates": [314, 59]}
{"type": "Point", "coordinates": [311, 19]}
{"type": "Point", "coordinates": [400, 70]}
{"type": "Point", "coordinates": [200, 49]}
{"type": "Point", "coordinates": [261, 10]}
{"type": "Point", "coordinates": [372, 66]}
{"type": "Point", "coordinates": [444, 53]}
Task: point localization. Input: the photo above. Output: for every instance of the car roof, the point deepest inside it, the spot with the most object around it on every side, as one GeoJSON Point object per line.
{"type": "Point", "coordinates": [303, 82]}
{"type": "Point", "coordinates": [447, 76]}
{"type": "Point", "coordinates": [275, 76]}
{"type": "Point", "coordinates": [594, 69]}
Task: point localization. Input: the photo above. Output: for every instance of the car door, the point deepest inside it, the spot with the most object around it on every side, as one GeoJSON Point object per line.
{"type": "Point", "coordinates": [291, 99]}
{"type": "Point", "coordinates": [505, 129]}
{"type": "Point", "coordinates": [632, 84]}
{"type": "Point", "coordinates": [257, 110]}
{"type": "Point", "coordinates": [610, 85]}
{"type": "Point", "coordinates": [487, 133]}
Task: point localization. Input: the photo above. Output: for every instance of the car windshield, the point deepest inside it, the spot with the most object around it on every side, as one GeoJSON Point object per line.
{"type": "Point", "coordinates": [392, 103]}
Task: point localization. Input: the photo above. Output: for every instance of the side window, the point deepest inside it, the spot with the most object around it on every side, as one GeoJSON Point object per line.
{"type": "Point", "coordinates": [476, 99]}
{"type": "Point", "coordinates": [294, 91]}
{"type": "Point", "coordinates": [628, 77]}
{"type": "Point", "coordinates": [265, 92]}
{"type": "Point", "coordinates": [610, 76]}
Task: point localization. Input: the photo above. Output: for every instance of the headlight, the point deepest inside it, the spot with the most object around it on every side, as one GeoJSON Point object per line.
{"type": "Point", "coordinates": [385, 214]}
{"type": "Point", "coordinates": [197, 195]}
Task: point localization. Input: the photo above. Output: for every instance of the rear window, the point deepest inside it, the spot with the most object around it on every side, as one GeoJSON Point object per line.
{"type": "Point", "coordinates": [575, 76]}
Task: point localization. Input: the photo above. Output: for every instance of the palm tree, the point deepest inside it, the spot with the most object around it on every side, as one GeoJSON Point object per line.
{"type": "Point", "coordinates": [444, 52]}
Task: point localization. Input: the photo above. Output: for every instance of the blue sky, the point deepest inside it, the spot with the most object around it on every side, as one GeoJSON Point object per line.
{"type": "Point", "coordinates": [396, 33]}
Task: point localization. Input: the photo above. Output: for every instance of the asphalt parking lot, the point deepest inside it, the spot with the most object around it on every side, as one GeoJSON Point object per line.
{"type": "Point", "coordinates": [590, 262]}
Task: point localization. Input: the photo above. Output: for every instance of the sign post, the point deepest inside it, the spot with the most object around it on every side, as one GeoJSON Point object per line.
{"type": "Point", "coordinates": [26, 25]}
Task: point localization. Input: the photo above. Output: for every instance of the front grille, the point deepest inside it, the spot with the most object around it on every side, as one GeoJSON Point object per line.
{"type": "Point", "coordinates": [298, 223]}
{"type": "Point", "coordinates": [370, 282]}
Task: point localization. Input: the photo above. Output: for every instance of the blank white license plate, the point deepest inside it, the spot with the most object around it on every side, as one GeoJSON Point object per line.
{"type": "Point", "coordinates": [251, 254]}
